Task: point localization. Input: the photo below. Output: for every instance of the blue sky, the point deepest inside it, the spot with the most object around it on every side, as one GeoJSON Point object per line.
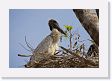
{"type": "Point", "coordinates": [33, 23]}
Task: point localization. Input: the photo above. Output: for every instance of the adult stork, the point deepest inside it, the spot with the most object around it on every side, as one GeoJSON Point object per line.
{"type": "Point", "coordinates": [47, 46]}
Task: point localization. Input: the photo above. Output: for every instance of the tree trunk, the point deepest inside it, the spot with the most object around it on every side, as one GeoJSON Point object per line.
{"type": "Point", "coordinates": [89, 20]}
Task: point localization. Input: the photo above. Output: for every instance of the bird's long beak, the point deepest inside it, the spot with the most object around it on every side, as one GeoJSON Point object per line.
{"type": "Point", "coordinates": [59, 29]}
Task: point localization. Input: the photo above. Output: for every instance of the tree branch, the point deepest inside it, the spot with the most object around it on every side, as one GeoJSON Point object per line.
{"type": "Point", "coordinates": [86, 61]}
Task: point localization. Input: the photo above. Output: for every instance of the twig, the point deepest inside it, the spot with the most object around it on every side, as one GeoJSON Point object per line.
{"type": "Point", "coordinates": [28, 45]}
{"type": "Point", "coordinates": [70, 40]}
{"type": "Point", "coordinates": [87, 61]}
{"type": "Point", "coordinates": [22, 55]}
{"type": "Point", "coordinates": [24, 47]}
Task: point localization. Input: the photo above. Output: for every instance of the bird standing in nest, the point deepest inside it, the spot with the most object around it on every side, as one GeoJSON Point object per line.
{"type": "Point", "coordinates": [48, 46]}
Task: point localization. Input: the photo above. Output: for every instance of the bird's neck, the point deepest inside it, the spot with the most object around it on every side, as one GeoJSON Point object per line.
{"type": "Point", "coordinates": [55, 35]}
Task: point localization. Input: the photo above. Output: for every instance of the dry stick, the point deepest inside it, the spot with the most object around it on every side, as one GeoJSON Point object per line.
{"type": "Point", "coordinates": [24, 47]}
{"type": "Point", "coordinates": [70, 40]}
{"type": "Point", "coordinates": [87, 61]}
{"type": "Point", "coordinates": [28, 45]}
{"type": "Point", "coordinates": [22, 55]}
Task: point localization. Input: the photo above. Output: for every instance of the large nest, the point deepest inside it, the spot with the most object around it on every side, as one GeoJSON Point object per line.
{"type": "Point", "coordinates": [71, 60]}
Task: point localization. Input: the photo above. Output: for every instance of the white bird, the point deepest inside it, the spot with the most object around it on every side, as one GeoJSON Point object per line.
{"type": "Point", "coordinates": [48, 46]}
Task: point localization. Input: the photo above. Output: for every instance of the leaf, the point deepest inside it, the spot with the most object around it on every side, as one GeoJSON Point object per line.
{"type": "Point", "coordinates": [68, 27]}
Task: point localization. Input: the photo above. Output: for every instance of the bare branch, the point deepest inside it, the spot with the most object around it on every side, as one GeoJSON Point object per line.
{"type": "Point", "coordinates": [28, 45]}
{"type": "Point", "coordinates": [87, 61]}
{"type": "Point", "coordinates": [23, 55]}
{"type": "Point", "coordinates": [24, 47]}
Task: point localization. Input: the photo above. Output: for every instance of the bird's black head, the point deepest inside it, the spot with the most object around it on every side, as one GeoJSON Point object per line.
{"type": "Point", "coordinates": [54, 24]}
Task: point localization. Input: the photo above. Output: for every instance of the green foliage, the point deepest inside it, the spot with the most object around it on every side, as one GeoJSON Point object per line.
{"type": "Point", "coordinates": [68, 31]}
{"type": "Point", "coordinates": [75, 44]}
{"type": "Point", "coordinates": [68, 28]}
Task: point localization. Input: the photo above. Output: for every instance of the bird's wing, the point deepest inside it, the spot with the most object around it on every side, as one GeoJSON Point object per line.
{"type": "Point", "coordinates": [41, 48]}
{"type": "Point", "coordinates": [44, 45]}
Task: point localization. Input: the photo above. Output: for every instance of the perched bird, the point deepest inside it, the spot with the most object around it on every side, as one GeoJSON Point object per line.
{"type": "Point", "coordinates": [48, 46]}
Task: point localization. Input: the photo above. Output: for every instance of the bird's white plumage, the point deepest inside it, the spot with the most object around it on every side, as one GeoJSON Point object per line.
{"type": "Point", "coordinates": [44, 45]}
{"type": "Point", "coordinates": [46, 48]}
